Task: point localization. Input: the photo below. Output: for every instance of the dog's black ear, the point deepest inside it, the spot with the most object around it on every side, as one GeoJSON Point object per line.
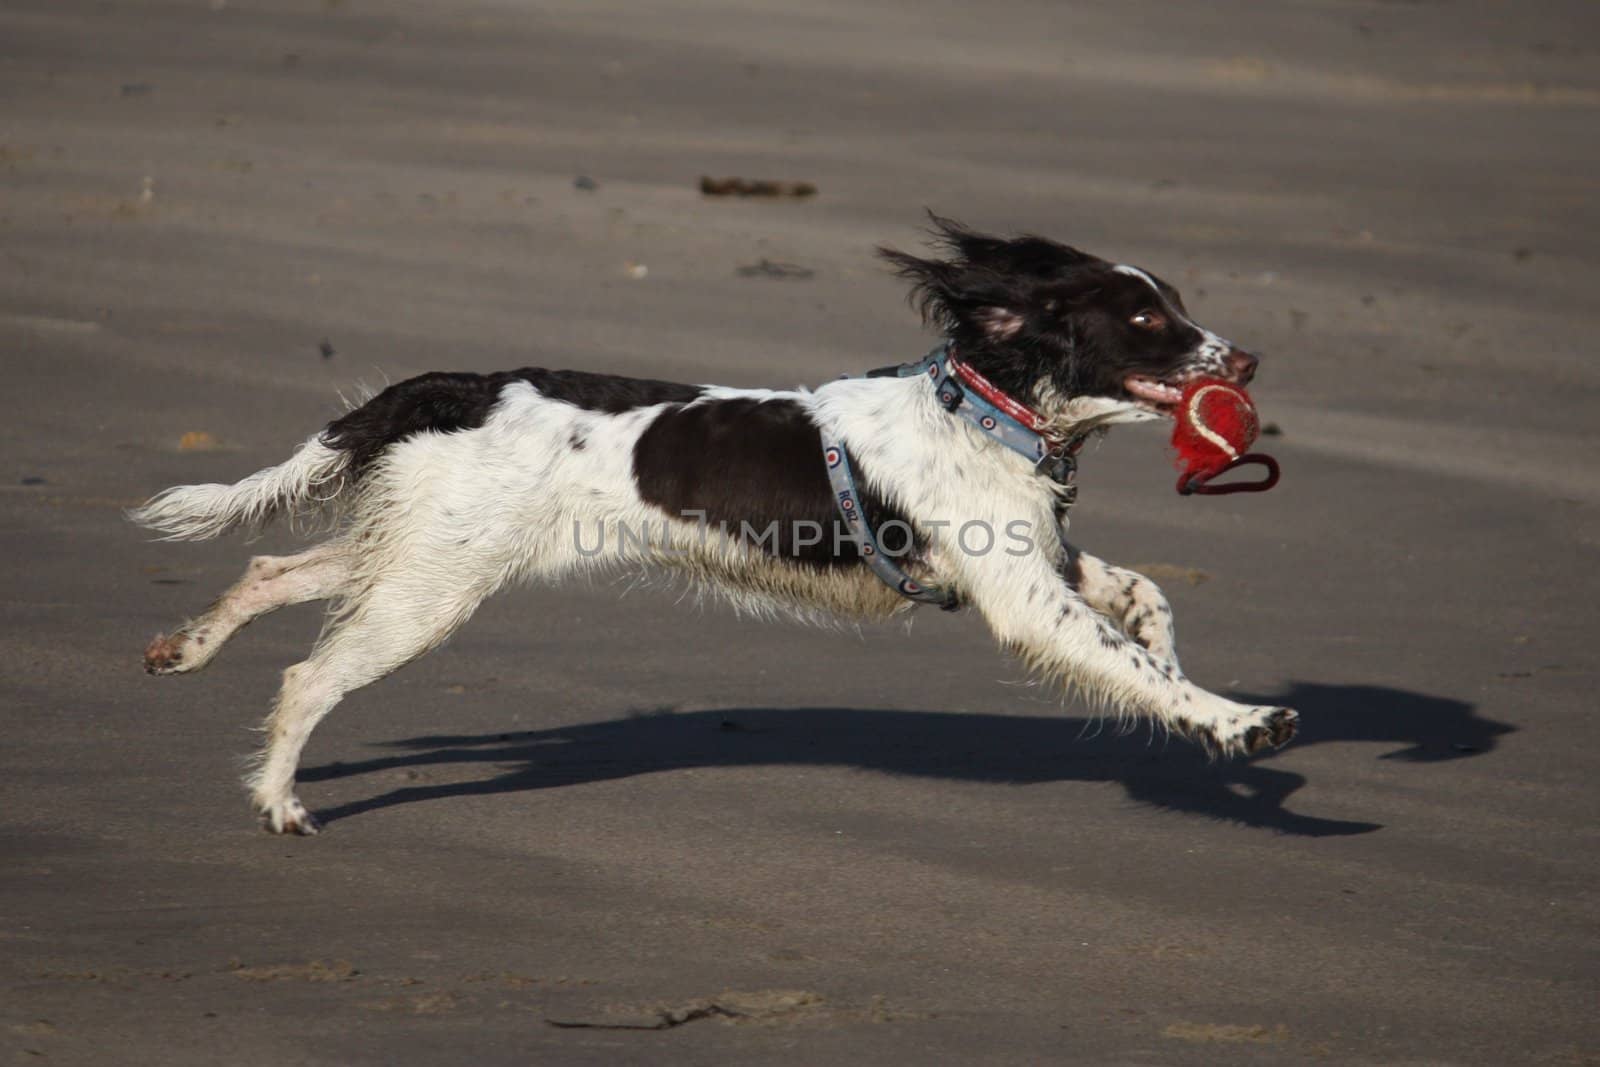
{"type": "Point", "coordinates": [1023, 256]}
{"type": "Point", "coordinates": [932, 280]}
{"type": "Point", "coordinates": [983, 284]}
{"type": "Point", "coordinates": [963, 242]}
{"type": "Point", "coordinates": [959, 298]}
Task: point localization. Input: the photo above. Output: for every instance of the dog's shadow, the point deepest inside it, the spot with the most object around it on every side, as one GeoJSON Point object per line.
{"type": "Point", "coordinates": [973, 747]}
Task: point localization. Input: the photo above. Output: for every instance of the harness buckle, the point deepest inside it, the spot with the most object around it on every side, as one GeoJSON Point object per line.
{"type": "Point", "coordinates": [1061, 467]}
{"type": "Point", "coordinates": [950, 394]}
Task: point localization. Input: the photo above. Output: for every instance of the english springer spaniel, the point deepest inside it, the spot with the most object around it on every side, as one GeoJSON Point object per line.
{"type": "Point", "coordinates": [446, 487]}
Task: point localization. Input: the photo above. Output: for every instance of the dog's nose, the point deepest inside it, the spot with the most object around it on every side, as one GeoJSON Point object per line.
{"type": "Point", "coordinates": [1241, 364]}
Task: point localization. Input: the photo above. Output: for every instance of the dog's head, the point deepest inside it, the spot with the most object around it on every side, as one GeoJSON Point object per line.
{"type": "Point", "coordinates": [1080, 339]}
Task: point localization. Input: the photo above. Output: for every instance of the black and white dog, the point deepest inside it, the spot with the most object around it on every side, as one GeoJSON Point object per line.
{"type": "Point", "coordinates": [446, 487]}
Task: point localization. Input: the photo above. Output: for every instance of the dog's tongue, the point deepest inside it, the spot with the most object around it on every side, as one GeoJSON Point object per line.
{"type": "Point", "coordinates": [1215, 423]}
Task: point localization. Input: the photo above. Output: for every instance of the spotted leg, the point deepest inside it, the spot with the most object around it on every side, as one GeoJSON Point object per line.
{"type": "Point", "coordinates": [269, 583]}
{"type": "Point", "coordinates": [1134, 604]}
{"type": "Point", "coordinates": [1037, 614]}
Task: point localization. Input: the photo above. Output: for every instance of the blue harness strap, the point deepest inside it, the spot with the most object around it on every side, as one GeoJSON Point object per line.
{"type": "Point", "coordinates": [848, 501]}
{"type": "Point", "coordinates": [1057, 462]}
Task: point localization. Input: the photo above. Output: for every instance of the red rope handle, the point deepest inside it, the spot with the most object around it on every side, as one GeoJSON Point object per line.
{"type": "Point", "coordinates": [1200, 483]}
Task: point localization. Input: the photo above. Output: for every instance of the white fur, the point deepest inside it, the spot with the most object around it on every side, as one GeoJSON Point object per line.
{"type": "Point", "coordinates": [305, 481]}
{"type": "Point", "coordinates": [442, 521]}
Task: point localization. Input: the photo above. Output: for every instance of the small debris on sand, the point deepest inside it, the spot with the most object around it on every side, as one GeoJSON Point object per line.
{"type": "Point", "coordinates": [315, 971]}
{"type": "Point", "coordinates": [585, 183]}
{"type": "Point", "coordinates": [764, 1007]}
{"type": "Point", "coordinates": [767, 268]}
{"type": "Point", "coordinates": [755, 187]}
{"type": "Point", "coordinates": [198, 441]}
{"type": "Point", "coordinates": [422, 1004]}
{"type": "Point", "coordinates": [1158, 572]}
{"type": "Point", "coordinates": [1226, 1032]}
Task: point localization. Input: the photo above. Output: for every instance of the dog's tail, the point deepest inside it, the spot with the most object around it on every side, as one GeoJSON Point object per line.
{"type": "Point", "coordinates": [316, 478]}
{"type": "Point", "coordinates": [308, 481]}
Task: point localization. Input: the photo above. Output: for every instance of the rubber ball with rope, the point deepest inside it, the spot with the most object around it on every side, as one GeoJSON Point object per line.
{"type": "Point", "coordinates": [1213, 427]}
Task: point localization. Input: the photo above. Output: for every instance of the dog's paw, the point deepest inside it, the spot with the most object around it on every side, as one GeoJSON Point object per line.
{"type": "Point", "coordinates": [1276, 731]}
{"type": "Point", "coordinates": [289, 817]}
{"type": "Point", "coordinates": [1249, 731]}
{"type": "Point", "coordinates": [164, 655]}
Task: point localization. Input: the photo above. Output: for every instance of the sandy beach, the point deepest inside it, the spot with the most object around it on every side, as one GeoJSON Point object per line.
{"type": "Point", "coordinates": [611, 826]}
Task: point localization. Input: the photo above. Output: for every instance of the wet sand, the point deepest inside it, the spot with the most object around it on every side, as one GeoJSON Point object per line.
{"type": "Point", "coordinates": [704, 840]}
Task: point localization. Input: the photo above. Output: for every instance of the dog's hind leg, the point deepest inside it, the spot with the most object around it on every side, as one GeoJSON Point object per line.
{"type": "Point", "coordinates": [408, 612]}
{"type": "Point", "coordinates": [1133, 603]}
{"type": "Point", "coordinates": [269, 583]}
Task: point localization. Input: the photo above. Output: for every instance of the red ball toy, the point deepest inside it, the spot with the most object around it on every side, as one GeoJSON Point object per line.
{"type": "Point", "coordinates": [1213, 428]}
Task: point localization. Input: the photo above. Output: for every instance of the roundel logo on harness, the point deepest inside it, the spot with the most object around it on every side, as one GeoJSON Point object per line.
{"type": "Point", "coordinates": [987, 422]}
{"type": "Point", "coordinates": [909, 587]}
{"type": "Point", "coordinates": [847, 503]}
{"type": "Point", "coordinates": [832, 457]}
{"type": "Point", "coordinates": [868, 550]}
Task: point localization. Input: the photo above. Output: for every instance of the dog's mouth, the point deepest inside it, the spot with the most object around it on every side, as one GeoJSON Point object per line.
{"type": "Point", "coordinates": [1160, 395]}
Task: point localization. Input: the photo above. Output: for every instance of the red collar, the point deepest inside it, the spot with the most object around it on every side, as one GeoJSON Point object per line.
{"type": "Point", "coordinates": [1007, 403]}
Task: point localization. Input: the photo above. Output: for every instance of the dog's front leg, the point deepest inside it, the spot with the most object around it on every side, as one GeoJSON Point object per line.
{"type": "Point", "coordinates": [1033, 612]}
{"type": "Point", "coordinates": [1133, 603]}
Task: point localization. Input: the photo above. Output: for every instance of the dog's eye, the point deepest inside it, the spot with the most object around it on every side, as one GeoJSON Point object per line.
{"type": "Point", "coordinates": [1149, 320]}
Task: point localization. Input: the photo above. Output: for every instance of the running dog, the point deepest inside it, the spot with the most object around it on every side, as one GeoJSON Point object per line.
{"type": "Point", "coordinates": [444, 488]}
